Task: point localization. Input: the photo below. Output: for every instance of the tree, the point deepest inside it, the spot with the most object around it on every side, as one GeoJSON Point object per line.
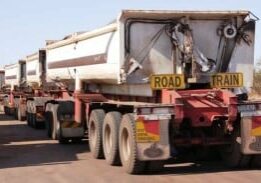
{"type": "Point", "coordinates": [257, 78]}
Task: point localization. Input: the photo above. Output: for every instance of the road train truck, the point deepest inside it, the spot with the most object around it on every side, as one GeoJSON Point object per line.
{"type": "Point", "coordinates": [154, 85]}
{"type": "Point", "coordinates": [157, 85]}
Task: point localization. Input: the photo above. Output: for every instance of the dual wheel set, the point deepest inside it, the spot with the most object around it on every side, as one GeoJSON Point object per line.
{"type": "Point", "coordinates": [112, 136]}
{"type": "Point", "coordinates": [33, 122]}
{"type": "Point", "coordinates": [18, 114]}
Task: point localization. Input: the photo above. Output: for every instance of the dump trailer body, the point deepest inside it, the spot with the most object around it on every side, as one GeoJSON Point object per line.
{"type": "Point", "coordinates": [95, 51]}
{"type": "Point", "coordinates": [15, 76]}
{"type": "Point", "coordinates": [26, 96]}
{"type": "Point", "coordinates": [141, 43]}
{"type": "Point", "coordinates": [12, 74]}
{"type": "Point", "coordinates": [2, 78]}
{"type": "Point", "coordinates": [32, 69]}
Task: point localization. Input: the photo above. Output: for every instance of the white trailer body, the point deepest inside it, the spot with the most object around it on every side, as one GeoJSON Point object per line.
{"type": "Point", "coordinates": [120, 58]}
{"type": "Point", "coordinates": [32, 69]}
{"type": "Point", "coordinates": [12, 75]}
{"type": "Point", "coordinates": [2, 78]}
{"type": "Point", "coordinates": [95, 51]}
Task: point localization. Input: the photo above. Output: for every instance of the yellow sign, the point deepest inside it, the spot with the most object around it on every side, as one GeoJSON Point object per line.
{"type": "Point", "coordinates": [256, 132]}
{"type": "Point", "coordinates": [227, 80]}
{"type": "Point", "coordinates": [167, 81]}
{"type": "Point", "coordinates": [145, 135]}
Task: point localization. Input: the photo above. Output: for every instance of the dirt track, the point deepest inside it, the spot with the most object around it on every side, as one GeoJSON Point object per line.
{"type": "Point", "coordinates": [26, 155]}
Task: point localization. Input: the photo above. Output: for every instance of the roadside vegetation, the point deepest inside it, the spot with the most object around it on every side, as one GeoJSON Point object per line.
{"type": "Point", "coordinates": [256, 90]}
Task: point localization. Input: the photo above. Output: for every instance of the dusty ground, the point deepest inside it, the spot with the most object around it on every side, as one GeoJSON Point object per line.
{"type": "Point", "coordinates": [26, 155]}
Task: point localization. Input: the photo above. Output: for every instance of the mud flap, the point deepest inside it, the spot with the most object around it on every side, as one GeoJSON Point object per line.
{"type": "Point", "coordinates": [152, 137]}
{"type": "Point", "coordinates": [251, 133]}
{"type": "Point", "coordinates": [71, 130]}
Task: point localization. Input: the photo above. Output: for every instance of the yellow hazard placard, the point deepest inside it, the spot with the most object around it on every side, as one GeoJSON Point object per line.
{"type": "Point", "coordinates": [227, 80]}
{"type": "Point", "coordinates": [167, 81]}
{"type": "Point", "coordinates": [147, 132]}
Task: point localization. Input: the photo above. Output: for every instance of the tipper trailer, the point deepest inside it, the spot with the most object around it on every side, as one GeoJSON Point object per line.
{"type": "Point", "coordinates": [25, 95]}
{"type": "Point", "coordinates": [2, 78]}
{"type": "Point", "coordinates": [14, 76]}
{"type": "Point", "coordinates": [155, 85]}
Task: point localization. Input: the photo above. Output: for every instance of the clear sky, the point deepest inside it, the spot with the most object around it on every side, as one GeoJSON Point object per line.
{"type": "Point", "coordinates": [26, 24]}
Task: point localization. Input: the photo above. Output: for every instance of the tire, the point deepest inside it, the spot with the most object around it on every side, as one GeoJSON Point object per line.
{"type": "Point", "coordinates": [33, 120]}
{"type": "Point", "coordinates": [53, 127]}
{"type": "Point", "coordinates": [231, 154]}
{"type": "Point", "coordinates": [29, 115]}
{"type": "Point", "coordinates": [110, 140]}
{"type": "Point", "coordinates": [8, 111]}
{"type": "Point", "coordinates": [61, 139]}
{"type": "Point", "coordinates": [15, 113]}
{"type": "Point", "coordinates": [48, 119]}
{"type": "Point", "coordinates": [27, 118]}
{"type": "Point", "coordinates": [19, 115]}
{"type": "Point", "coordinates": [127, 146]}
{"type": "Point", "coordinates": [95, 133]}
{"type": "Point", "coordinates": [5, 110]}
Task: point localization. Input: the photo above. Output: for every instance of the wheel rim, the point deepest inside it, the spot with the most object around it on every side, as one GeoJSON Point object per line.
{"type": "Point", "coordinates": [125, 144]}
{"type": "Point", "coordinates": [93, 134]}
{"type": "Point", "coordinates": [108, 139]}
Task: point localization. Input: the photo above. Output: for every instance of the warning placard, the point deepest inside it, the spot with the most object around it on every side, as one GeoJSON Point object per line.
{"type": "Point", "coordinates": [147, 131]}
{"type": "Point", "coordinates": [227, 80]}
{"type": "Point", "coordinates": [167, 81]}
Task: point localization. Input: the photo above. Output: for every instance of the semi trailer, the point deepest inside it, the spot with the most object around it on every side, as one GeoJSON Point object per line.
{"type": "Point", "coordinates": [14, 76]}
{"type": "Point", "coordinates": [156, 85]}
{"type": "Point", "coordinates": [25, 96]}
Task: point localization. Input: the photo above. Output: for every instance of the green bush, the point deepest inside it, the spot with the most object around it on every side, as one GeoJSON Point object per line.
{"type": "Point", "coordinates": [257, 83]}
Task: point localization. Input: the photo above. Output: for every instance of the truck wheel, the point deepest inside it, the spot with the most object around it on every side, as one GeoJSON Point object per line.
{"type": "Point", "coordinates": [127, 146]}
{"type": "Point", "coordinates": [95, 133]}
{"type": "Point", "coordinates": [33, 120]}
{"type": "Point", "coordinates": [7, 111]}
{"type": "Point", "coordinates": [16, 113]}
{"type": "Point", "coordinates": [48, 119]}
{"type": "Point", "coordinates": [29, 119]}
{"type": "Point", "coordinates": [110, 135]}
{"type": "Point", "coordinates": [231, 154]}
{"type": "Point", "coordinates": [61, 139]}
{"type": "Point", "coordinates": [19, 114]}
{"type": "Point", "coordinates": [53, 123]}
{"type": "Point", "coordinates": [59, 135]}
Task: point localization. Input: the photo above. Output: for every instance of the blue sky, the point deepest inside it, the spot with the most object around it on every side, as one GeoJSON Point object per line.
{"type": "Point", "coordinates": [26, 24]}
